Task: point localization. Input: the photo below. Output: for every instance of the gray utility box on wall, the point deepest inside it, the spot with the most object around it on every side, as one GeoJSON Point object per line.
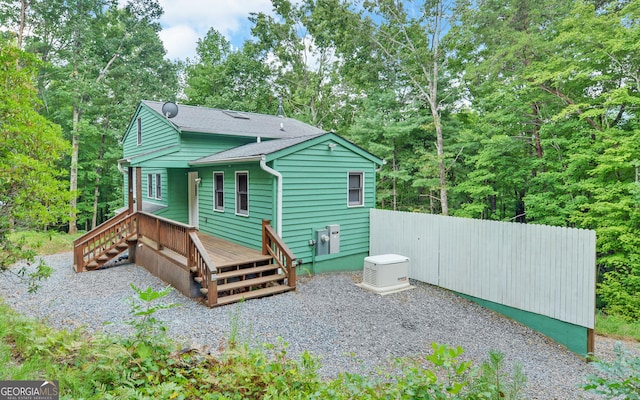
{"type": "Point", "coordinates": [322, 242]}
{"type": "Point", "coordinates": [328, 240]}
{"type": "Point", "coordinates": [334, 238]}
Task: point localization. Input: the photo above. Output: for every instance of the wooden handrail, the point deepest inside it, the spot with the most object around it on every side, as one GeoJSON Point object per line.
{"type": "Point", "coordinates": [167, 220]}
{"type": "Point", "coordinates": [165, 232]}
{"type": "Point", "coordinates": [102, 227]}
{"type": "Point", "coordinates": [274, 246]}
{"type": "Point", "coordinates": [97, 242]}
{"type": "Point", "coordinates": [199, 257]}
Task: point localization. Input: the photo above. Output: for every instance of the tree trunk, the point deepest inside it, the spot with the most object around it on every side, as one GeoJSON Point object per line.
{"type": "Point", "coordinates": [73, 175]}
{"type": "Point", "coordinates": [23, 22]}
{"type": "Point", "coordinates": [96, 189]}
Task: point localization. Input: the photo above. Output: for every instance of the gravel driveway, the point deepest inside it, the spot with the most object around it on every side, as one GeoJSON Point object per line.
{"type": "Point", "coordinates": [350, 329]}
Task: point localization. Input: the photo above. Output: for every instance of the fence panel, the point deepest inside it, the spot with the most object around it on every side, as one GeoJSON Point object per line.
{"type": "Point", "coordinates": [541, 269]}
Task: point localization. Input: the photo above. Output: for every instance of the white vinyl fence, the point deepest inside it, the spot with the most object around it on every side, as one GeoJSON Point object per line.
{"type": "Point", "coordinates": [536, 268]}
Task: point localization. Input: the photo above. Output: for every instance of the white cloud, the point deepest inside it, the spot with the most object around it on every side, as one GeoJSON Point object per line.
{"type": "Point", "coordinates": [185, 21]}
{"type": "Point", "coordinates": [179, 41]}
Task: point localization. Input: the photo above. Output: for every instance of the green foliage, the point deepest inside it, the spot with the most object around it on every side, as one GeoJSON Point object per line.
{"type": "Point", "coordinates": [44, 242]}
{"type": "Point", "coordinates": [617, 327]}
{"type": "Point", "coordinates": [31, 195]}
{"type": "Point", "coordinates": [493, 383]}
{"type": "Point", "coordinates": [619, 378]}
{"type": "Point", "coordinates": [149, 341]}
{"type": "Point", "coordinates": [110, 367]}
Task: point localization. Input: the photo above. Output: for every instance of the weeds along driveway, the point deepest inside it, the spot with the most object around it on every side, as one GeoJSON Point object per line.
{"type": "Point", "coordinates": [347, 327]}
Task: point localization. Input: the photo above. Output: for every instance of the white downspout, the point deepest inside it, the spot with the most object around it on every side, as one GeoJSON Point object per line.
{"type": "Point", "coordinates": [278, 176]}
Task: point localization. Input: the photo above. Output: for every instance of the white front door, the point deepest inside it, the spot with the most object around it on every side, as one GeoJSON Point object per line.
{"type": "Point", "coordinates": [193, 199]}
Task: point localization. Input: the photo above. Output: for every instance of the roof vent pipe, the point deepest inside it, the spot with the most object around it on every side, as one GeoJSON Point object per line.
{"type": "Point", "coordinates": [278, 175]}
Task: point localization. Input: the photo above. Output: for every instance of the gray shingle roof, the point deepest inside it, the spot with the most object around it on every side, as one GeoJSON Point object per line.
{"type": "Point", "coordinates": [253, 150]}
{"type": "Point", "coordinates": [211, 120]}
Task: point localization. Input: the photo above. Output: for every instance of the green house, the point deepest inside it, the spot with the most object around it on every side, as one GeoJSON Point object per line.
{"type": "Point", "coordinates": [224, 172]}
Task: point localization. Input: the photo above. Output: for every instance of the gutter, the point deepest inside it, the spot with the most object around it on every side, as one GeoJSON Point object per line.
{"type": "Point", "coordinates": [120, 168]}
{"type": "Point", "coordinates": [278, 175]}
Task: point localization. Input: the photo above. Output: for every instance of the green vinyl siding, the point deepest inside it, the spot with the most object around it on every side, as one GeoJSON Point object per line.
{"type": "Point", "coordinates": [316, 195]}
{"type": "Point", "coordinates": [176, 195]}
{"type": "Point", "coordinates": [245, 230]}
{"type": "Point", "coordinates": [194, 146]}
{"type": "Point", "coordinates": [156, 133]}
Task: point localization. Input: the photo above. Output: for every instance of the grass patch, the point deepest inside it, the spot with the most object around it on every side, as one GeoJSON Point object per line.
{"type": "Point", "coordinates": [44, 243]}
{"type": "Point", "coordinates": [616, 327]}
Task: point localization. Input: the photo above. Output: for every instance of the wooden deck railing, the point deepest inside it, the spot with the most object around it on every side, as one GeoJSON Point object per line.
{"type": "Point", "coordinates": [183, 240]}
{"type": "Point", "coordinates": [107, 236]}
{"type": "Point", "coordinates": [165, 232]}
{"type": "Point", "coordinates": [274, 246]}
{"type": "Point", "coordinates": [198, 262]}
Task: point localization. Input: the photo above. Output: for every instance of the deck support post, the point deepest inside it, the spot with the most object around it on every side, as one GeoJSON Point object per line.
{"type": "Point", "coordinates": [159, 230]}
{"type": "Point", "coordinates": [212, 294]}
{"type": "Point", "coordinates": [130, 187]}
{"type": "Point", "coordinates": [265, 242]}
{"type": "Point", "coordinates": [138, 189]}
{"type": "Point", "coordinates": [281, 253]}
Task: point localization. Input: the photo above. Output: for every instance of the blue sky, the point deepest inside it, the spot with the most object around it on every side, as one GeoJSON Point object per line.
{"type": "Point", "coordinates": [186, 21]}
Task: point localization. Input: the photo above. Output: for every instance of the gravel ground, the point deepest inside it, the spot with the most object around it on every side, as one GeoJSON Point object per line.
{"type": "Point", "coordinates": [349, 328]}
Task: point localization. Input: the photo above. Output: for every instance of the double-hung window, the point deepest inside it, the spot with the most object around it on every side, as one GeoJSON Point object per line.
{"type": "Point", "coordinates": [159, 186]}
{"type": "Point", "coordinates": [139, 130]}
{"type": "Point", "coordinates": [242, 193]}
{"type": "Point", "coordinates": [355, 189]}
{"type": "Point", "coordinates": [150, 179]}
{"type": "Point", "coordinates": [218, 191]}
{"type": "Point", "coordinates": [154, 186]}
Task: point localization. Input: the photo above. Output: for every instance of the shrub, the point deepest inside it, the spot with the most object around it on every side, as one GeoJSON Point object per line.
{"type": "Point", "coordinates": [619, 378]}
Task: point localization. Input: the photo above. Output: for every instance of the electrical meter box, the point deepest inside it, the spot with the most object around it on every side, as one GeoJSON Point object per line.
{"type": "Point", "coordinates": [322, 242]}
{"type": "Point", "coordinates": [334, 238]}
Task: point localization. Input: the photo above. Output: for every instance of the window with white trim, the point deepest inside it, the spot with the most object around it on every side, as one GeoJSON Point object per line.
{"type": "Point", "coordinates": [139, 130]}
{"type": "Point", "coordinates": [242, 193]}
{"type": "Point", "coordinates": [150, 186]}
{"type": "Point", "coordinates": [218, 191]}
{"type": "Point", "coordinates": [159, 186]}
{"type": "Point", "coordinates": [355, 189]}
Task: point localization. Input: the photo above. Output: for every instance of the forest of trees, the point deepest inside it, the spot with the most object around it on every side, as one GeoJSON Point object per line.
{"type": "Point", "coordinates": [507, 110]}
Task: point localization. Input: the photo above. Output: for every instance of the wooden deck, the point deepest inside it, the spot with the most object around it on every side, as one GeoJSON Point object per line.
{"type": "Point", "coordinates": [224, 253]}
{"type": "Point", "coordinates": [198, 264]}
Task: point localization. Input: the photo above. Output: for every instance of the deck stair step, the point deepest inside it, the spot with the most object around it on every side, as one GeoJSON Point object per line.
{"type": "Point", "coordinates": [113, 252]}
{"type": "Point", "coordinates": [198, 279]}
{"type": "Point", "coordinates": [248, 283]}
{"type": "Point", "coordinates": [245, 271]}
{"type": "Point", "coordinates": [103, 258]}
{"type": "Point", "coordinates": [123, 245]}
{"type": "Point", "coordinates": [193, 269]}
{"type": "Point", "coordinates": [92, 265]}
{"type": "Point", "coordinates": [252, 294]}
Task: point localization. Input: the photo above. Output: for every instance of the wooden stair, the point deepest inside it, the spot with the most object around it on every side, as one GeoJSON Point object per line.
{"type": "Point", "coordinates": [107, 254]}
{"type": "Point", "coordinates": [247, 281]}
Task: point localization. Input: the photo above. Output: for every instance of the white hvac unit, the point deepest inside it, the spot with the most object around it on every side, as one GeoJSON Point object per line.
{"type": "Point", "coordinates": [386, 273]}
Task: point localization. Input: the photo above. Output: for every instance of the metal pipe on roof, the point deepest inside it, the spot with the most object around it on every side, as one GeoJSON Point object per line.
{"type": "Point", "coordinates": [278, 175]}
